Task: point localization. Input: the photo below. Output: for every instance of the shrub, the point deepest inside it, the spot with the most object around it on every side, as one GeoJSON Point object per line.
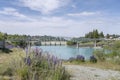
{"type": "Point", "coordinates": [93, 59]}
{"type": "Point", "coordinates": [8, 72]}
{"type": "Point", "coordinates": [71, 43]}
{"type": "Point", "coordinates": [71, 59]}
{"type": "Point", "coordinates": [39, 66]}
{"type": "Point", "coordinates": [100, 55]}
{"type": "Point", "coordinates": [80, 58]}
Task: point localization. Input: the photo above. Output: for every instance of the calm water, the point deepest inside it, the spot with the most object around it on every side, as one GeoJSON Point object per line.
{"type": "Point", "coordinates": [65, 52]}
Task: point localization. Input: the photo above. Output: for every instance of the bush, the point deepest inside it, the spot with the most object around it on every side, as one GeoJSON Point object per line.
{"type": "Point", "coordinates": [71, 59]}
{"type": "Point", "coordinates": [39, 66]}
{"type": "Point", "coordinates": [100, 55]}
{"type": "Point", "coordinates": [8, 72]}
{"type": "Point", "coordinates": [70, 43]}
{"type": "Point", "coordinates": [80, 58]}
{"type": "Point", "coordinates": [93, 59]}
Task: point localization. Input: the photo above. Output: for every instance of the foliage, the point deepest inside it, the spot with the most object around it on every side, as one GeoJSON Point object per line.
{"type": "Point", "coordinates": [93, 59]}
{"type": "Point", "coordinates": [38, 66]}
{"type": "Point", "coordinates": [20, 43]}
{"type": "Point", "coordinates": [80, 58]}
{"type": "Point", "coordinates": [1, 36]}
{"type": "Point", "coordinates": [116, 45]}
{"type": "Point", "coordinates": [114, 48]}
{"type": "Point", "coordinates": [108, 36]}
{"type": "Point", "coordinates": [94, 34]}
{"type": "Point", "coordinates": [5, 50]}
{"type": "Point", "coordinates": [71, 43]}
{"type": "Point", "coordinates": [71, 59]}
{"type": "Point", "coordinates": [8, 72]}
{"type": "Point", "coordinates": [100, 55]}
{"type": "Point", "coordinates": [101, 35]}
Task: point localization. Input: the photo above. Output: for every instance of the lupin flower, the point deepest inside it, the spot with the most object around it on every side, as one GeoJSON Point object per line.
{"type": "Point", "coordinates": [81, 58]}
{"type": "Point", "coordinates": [36, 51]}
{"type": "Point", "coordinates": [54, 59]}
{"type": "Point", "coordinates": [93, 59]}
{"type": "Point", "coordinates": [28, 61]}
{"type": "Point", "coordinates": [26, 50]}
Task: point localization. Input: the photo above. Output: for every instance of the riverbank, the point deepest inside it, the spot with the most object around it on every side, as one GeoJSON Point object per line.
{"type": "Point", "coordinates": [99, 64]}
{"type": "Point", "coordinates": [37, 66]}
{"type": "Point", "coordinates": [79, 72]}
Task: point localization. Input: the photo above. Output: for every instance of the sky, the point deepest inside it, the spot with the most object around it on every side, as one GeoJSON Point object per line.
{"type": "Point", "coordinates": [68, 18]}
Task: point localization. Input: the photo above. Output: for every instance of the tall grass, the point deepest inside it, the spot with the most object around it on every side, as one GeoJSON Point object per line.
{"type": "Point", "coordinates": [36, 65]}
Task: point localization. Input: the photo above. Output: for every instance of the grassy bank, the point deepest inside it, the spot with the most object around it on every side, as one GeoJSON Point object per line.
{"type": "Point", "coordinates": [5, 60]}
{"type": "Point", "coordinates": [36, 66]}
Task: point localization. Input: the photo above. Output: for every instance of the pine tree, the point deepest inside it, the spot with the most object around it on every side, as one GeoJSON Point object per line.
{"type": "Point", "coordinates": [101, 35]}
{"type": "Point", "coordinates": [107, 36]}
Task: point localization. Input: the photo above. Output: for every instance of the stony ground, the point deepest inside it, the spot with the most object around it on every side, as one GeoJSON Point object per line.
{"type": "Point", "coordinates": [89, 73]}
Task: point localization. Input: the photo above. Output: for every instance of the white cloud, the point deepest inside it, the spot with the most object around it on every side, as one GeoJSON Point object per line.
{"type": "Point", "coordinates": [12, 12]}
{"type": "Point", "coordinates": [44, 6]}
{"type": "Point", "coordinates": [85, 13]}
{"type": "Point", "coordinates": [56, 26]}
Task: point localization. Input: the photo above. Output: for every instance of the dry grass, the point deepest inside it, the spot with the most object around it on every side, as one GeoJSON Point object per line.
{"type": "Point", "coordinates": [6, 58]}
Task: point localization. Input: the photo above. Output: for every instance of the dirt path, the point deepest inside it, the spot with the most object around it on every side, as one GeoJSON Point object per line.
{"type": "Point", "coordinates": [88, 73]}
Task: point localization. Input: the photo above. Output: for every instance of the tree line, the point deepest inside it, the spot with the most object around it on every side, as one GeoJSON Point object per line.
{"type": "Point", "coordinates": [94, 34]}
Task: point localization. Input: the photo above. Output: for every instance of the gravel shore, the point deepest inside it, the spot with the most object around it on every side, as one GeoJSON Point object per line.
{"type": "Point", "coordinates": [89, 73]}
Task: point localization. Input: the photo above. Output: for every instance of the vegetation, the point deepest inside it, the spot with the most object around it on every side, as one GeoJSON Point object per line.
{"type": "Point", "coordinates": [36, 66]}
{"type": "Point", "coordinates": [79, 58]}
{"type": "Point", "coordinates": [106, 58]}
{"type": "Point", "coordinates": [94, 34]}
{"type": "Point", "coordinates": [100, 55]}
{"type": "Point", "coordinates": [70, 43]}
{"type": "Point", "coordinates": [20, 43]}
{"type": "Point", "coordinates": [93, 59]}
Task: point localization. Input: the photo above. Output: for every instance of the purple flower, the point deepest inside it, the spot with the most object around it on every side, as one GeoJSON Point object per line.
{"type": "Point", "coordinates": [93, 59]}
{"type": "Point", "coordinates": [36, 51]}
{"type": "Point", "coordinates": [48, 56]}
{"type": "Point", "coordinates": [26, 50]}
{"type": "Point", "coordinates": [54, 59]}
{"type": "Point", "coordinates": [28, 61]}
{"type": "Point", "coordinates": [80, 57]}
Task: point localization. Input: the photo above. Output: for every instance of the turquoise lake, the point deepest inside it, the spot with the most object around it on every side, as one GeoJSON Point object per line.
{"type": "Point", "coordinates": [65, 52]}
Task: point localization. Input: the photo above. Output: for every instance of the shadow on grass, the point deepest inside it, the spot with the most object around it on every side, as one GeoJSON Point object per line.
{"type": "Point", "coordinates": [5, 50]}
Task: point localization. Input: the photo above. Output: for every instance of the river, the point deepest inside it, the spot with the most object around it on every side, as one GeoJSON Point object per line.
{"type": "Point", "coordinates": [65, 52]}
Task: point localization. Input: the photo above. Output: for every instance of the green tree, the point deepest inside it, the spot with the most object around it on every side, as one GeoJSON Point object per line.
{"type": "Point", "coordinates": [71, 43]}
{"type": "Point", "coordinates": [107, 36]}
{"type": "Point", "coordinates": [101, 35]}
{"type": "Point", "coordinates": [94, 34]}
{"type": "Point", "coordinates": [1, 36]}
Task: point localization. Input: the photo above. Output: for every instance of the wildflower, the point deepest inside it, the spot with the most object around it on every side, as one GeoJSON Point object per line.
{"type": "Point", "coordinates": [26, 50]}
{"type": "Point", "coordinates": [37, 51]}
{"type": "Point", "coordinates": [93, 59]}
{"type": "Point", "coordinates": [28, 61]}
{"type": "Point", "coordinates": [54, 59]}
{"type": "Point", "coordinates": [81, 58]}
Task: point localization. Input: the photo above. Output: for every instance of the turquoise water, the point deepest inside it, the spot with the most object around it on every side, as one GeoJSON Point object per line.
{"type": "Point", "coordinates": [65, 52]}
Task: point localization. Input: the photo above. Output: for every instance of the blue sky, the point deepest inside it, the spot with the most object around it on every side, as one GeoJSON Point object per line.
{"type": "Point", "coordinates": [72, 18]}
